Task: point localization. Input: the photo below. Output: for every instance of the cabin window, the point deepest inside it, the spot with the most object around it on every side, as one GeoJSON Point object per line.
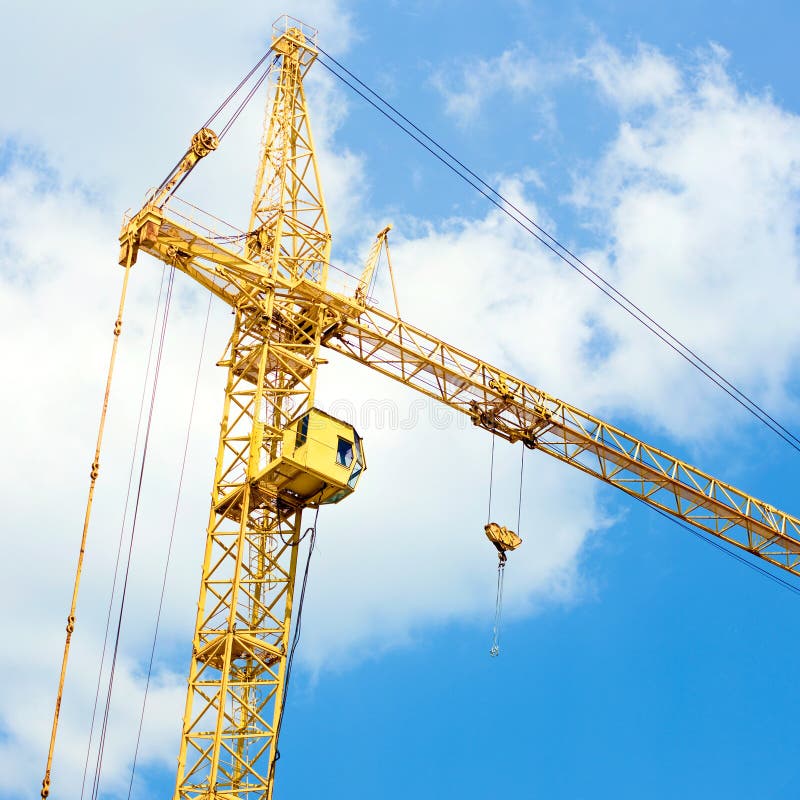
{"type": "Point", "coordinates": [344, 453]}
{"type": "Point", "coordinates": [359, 464]}
{"type": "Point", "coordinates": [302, 433]}
{"type": "Point", "coordinates": [354, 477]}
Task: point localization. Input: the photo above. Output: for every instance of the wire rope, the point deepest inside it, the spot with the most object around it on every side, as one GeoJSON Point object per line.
{"type": "Point", "coordinates": [766, 573]}
{"type": "Point", "coordinates": [373, 279]}
{"type": "Point", "coordinates": [248, 98]}
{"type": "Point", "coordinates": [115, 652]}
{"type": "Point", "coordinates": [235, 91]}
{"type": "Point", "coordinates": [122, 529]}
{"type": "Point", "coordinates": [566, 255]}
{"type": "Point", "coordinates": [93, 475]}
{"type": "Point", "coordinates": [521, 473]}
{"type": "Point", "coordinates": [491, 482]}
{"type": "Point", "coordinates": [295, 639]}
{"type": "Point", "coordinates": [233, 118]}
{"type": "Point", "coordinates": [494, 650]}
{"type": "Point", "coordinates": [169, 547]}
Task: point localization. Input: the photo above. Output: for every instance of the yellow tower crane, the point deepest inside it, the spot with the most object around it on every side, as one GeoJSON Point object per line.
{"type": "Point", "coordinates": [278, 455]}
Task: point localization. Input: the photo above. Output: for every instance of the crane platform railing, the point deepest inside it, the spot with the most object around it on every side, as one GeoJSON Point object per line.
{"type": "Point", "coordinates": [210, 250]}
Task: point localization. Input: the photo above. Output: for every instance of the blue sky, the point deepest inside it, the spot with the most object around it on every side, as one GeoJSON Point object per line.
{"type": "Point", "coordinates": [662, 143]}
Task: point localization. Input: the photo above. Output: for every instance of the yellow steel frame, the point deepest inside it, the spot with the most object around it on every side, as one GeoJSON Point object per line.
{"type": "Point", "coordinates": [517, 411]}
{"type": "Point", "coordinates": [507, 406]}
{"type": "Point", "coordinates": [241, 640]}
{"type": "Point", "coordinates": [275, 278]}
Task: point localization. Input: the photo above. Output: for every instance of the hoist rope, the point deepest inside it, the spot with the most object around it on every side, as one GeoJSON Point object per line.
{"type": "Point", "coordinates": [498, 609]}
{"type": "Point", "coordinates": [312, 530]}
{"type": "Point", "coordinates": [120, 617]}
{"type": "Point", "coordinates": [491, 482]}
{"type": "Point", "coordinates": [521, 472]}
{"type": "Point", "coordinates": [501, 561]}
{"type": "Point", "coordinates": [122, 528]}
{"type": "Point", "coordinates": [94, 472]}
{"type": "Point", "coordinates": [169, 546]}
{"type": "Point", "coordinates": [229, 124]}
{"type": "Point", "coordinates": [562, 252]}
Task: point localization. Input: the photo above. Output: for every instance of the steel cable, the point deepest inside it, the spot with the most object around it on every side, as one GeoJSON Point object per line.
{"type": "Point", "coordinates": [491, 482]}
{"type": "Point", "coordinates": [566, 255]}
{"type": "Point", "coordinates": [604, 286]}
{"type": "Point", "coordinates": [93, 476]}
{"type": "Point", "coordinates": [234, 116]}
{"type": "Point", "coordinates": [122, 530]}
{"type": "Point", "coordinates": [521, 475]}
{"type": "Point", "coordinates": [169, 546]}
{"type": "Point", "coordinates": [115, 652]}
{"type": "Point", "coordinates": [752, 565]}
{"type": "Point", "coordinates": [247, 99]}
{"type": "Point", "coordinates": [235, 91]}
{"type": "Point", "coordinates": [494, 650]}
{"type": "Point", "coordinates": [295, 639]}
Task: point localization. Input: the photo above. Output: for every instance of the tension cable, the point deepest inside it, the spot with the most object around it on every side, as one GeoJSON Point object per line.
{"type": "Point", "coordinates": [517, 215]}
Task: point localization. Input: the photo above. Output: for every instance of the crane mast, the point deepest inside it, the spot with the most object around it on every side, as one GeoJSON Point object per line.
{"type": "Point", "coordinates": [278, 455]}
{"type": "Point", "coordinates": [239, 655]}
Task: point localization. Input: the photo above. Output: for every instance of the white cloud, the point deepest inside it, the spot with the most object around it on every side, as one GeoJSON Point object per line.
{"type": "Point", "coordinates": [697, 190]}
{"type": "Point", "coordinates": [515, 70]}
{"type": "Point", "coordinates": [646, 78]}
{"type": "Point", "coordinates": [700, 200]}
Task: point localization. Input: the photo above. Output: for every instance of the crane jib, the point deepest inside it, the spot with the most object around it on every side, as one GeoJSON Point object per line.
{"type": "Point", "coordinates": [571, 435]}
{"type": "Point", "coordinates": [507, 406]}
